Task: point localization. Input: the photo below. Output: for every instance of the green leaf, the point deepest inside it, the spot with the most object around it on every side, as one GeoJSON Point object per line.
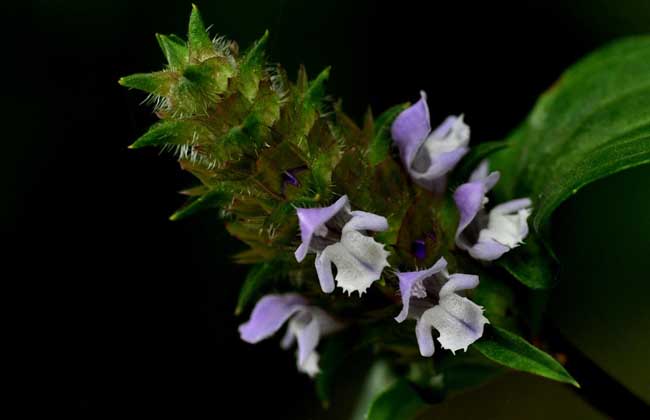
{"type": "Point", "coordinates": [198, 39]}
{"type": "Point", "coordinates": [379, 147]}
{"type": "Point", "coordinates": [513, 351]}
{"type": "Point", "coordinates": [210, 200]}
{"type": "Point", "coordinates": [172, 132]}
{"type": "Point", "coordinates": [174, 49]}
{"type": "Point", "coordinates": [595, 121]}
{"type": "Point", "coordinates": [531, 264]}
{"type": "Point", "coordinates": [626, 153]}
{"type": "Point", "coordinates": [158, 83]}
{"type": "Point", "coordinates": [257, 279]}
{"type": "Point", "coordinates": [399, 401]}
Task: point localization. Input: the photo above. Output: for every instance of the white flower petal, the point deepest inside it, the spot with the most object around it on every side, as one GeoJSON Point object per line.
{"type": "Point", "coordinates": [308, 335]}
{"type": "Point", "coordinates": [359, 261]}
{"type": "Point", "coordinates": [505, 226]}
{"type": "Point", "coordinates": [425, 339]}
{"type": "Point", "coordinates": [440, 152]}
{"type": "Point", "coordinates": [310, 365]}
{"type": "Point", "coordinates": [326, 324]}
{"type": "Point", "coordinates": [481, 171]}
{"type": "Point", "coordinates": [487, 250]}
{"type": "Point", "coordinates": [324, 272]}
{"type": "Point", "coordinates": [288, 339]}
{"type": "Point", "coordinates": [458, 282]}
{"type": "Point", "coordinates": [451, 135]}
{"type": "Point", "coordinates": [458, 320]}
{"type": "Point", "coordinates": [362, 220]}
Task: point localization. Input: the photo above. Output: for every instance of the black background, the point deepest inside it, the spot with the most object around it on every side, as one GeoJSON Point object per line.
{"type": "Point", "coordinates": [151, 302]}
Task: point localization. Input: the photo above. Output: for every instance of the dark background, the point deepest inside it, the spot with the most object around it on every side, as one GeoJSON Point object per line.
{"type": "Point", "coordinates": [149, 303]}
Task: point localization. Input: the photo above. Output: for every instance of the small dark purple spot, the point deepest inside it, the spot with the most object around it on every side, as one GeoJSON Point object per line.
{"type": "Point", "coordinates": [420, 249]}
{"type": "Point", "coordinates": [289, 177]}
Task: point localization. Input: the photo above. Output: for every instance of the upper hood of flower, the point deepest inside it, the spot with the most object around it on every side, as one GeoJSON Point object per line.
{"type": "Point", "coordinates": [410, 284]}
{"type": "Point", "coordinates": [428, 155]}
{"type": "Point", "coordinates": [313, 220]}
{"type": "Point", "coordinates": [470, 198]}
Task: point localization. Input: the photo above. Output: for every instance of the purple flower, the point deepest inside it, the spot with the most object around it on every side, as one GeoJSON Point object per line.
{"type": "Point", "coordinates": [429, 296]}
{"type": "Point", "coordinates": [487, 236]}
{"type": "Point", "coordinates": [428, 155]}
{"type": "Point", "coordinates": [338, 235]}
{"type": "Point", "coordinates": [306, 325]}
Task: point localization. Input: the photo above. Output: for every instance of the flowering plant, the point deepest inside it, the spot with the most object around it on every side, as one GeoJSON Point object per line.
{"type": "Point", "coordinates": [388, 237]}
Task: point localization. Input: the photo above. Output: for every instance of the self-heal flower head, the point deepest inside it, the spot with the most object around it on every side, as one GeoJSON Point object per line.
{"type": "Point", "coordinates": [429, 155]}
{"type": "Point", "coordinates": [338, 235]}
{"type": "Point", "coordinates": [487, 236]}
{"type": "Point", "coordinates": [430, 297]}
{"type": "Point", "coordinates": [306, 326]}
